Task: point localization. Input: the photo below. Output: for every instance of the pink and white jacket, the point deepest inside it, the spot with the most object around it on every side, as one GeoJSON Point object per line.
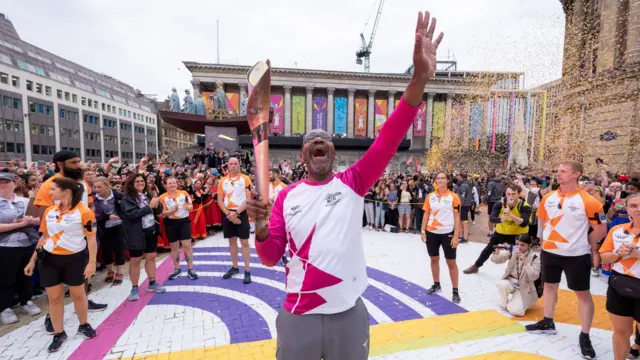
{"type": "Point", "coordinates": [322, 223]}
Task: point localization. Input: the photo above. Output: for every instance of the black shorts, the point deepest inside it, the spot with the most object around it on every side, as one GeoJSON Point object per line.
{"type": "Point", "coordinates": [151, 243]}
{"type": "Point", "coordinates": [577, 269]}
{"type": "Point", "coordinates": [231, 230]}
{"type": "Point", "coordinates": [464, 213]}
{"type": "Point", "coordinates": [622, 305]}
{"type": "Point", "coordinates": [490, 207]}
{"type": "Point", "coordinates": [435, 240]}
{"type": "Point", "coordinates": [63, 269]}
{"type": "Point", "coordinates": [177, 229]}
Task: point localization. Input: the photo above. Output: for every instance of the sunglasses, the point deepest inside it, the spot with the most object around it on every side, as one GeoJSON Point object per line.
{"type": "Point", "coordinates": [317, 134]}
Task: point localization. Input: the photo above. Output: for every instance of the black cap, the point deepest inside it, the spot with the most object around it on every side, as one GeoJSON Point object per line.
{"type": "Point", "coordinates": [64, 155]}
{"type": "Point", "coordinates": [7, 176]}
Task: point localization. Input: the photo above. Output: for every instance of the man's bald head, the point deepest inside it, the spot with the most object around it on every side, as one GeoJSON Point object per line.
{"type": "Point", "coordinates": [234, 166]}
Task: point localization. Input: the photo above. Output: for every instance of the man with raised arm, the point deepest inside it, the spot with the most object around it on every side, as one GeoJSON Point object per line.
{"type": "Point", "coordinates": [327, 272]}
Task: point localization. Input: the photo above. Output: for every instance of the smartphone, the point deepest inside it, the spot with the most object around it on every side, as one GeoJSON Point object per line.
{"type": "Point", "coordinates": [619, 204]}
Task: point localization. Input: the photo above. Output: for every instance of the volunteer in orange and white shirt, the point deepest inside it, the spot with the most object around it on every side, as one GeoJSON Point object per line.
{"type": "Point", "coordinates": [176, 205]}
{"type": "Point", "coordinates": [440, 227]}
{"type": "Point", "coordinates": [566, 215]}
{"type": "Point", "coordinates": [275, 184]}
{"type": "Point", "coordinates": [68, 229]}
{"type": "Point", "coordinates": [622, 249]}
{"type": "Point", "coordinates": [233, 191]}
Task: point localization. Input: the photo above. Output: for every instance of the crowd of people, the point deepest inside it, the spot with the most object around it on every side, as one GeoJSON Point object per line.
{"type": "Point", "coordinates": [60, 222]}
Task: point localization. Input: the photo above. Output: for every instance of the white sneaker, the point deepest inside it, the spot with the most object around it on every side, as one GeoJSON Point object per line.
{"type": "Point", "coordinates": [8, 317]}
{"type": "Point", "coordinates": [595, 272]}
{"type": "Point", "coordinates": [31, 309]}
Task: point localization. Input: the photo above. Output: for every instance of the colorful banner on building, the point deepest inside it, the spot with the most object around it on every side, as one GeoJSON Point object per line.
{"type": "Point", "coordinates": [277, 104]}
{"type": "Point", "coordinates": [207, 96]}
{"type": "Point", "coordinates": [476, 121]}
{"type": "Point", "coordinates": [297, 114]}
{"type": "Point", "coordinates": [494, 122]}
{"type": "Point", "coordinates": [233, 101]}
{"type": "Point", "coordinates": [420, 121]}
{"type": "Point", "coordinates": [381, 114]}
{"type": "Point", "coordinates": [438, 119]}
{"type": "Point", "coordinates": [319, 112]}
{"type": "Point", "coordinates": [360, 118]}
{"type": "Point", "coordinates": [340, 116]}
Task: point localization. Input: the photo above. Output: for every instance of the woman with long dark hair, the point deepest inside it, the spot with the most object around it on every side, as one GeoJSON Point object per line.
{"type": "Point", "coordinates": [137, 207]}
{"type": "Point", "coordinates": [197, 216]}
{"type": "Point", "coordinates": [68, 230]}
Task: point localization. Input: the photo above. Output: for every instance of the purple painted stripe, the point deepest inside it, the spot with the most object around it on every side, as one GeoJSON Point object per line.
{"type": "Point", "coordinates": [244, 323]}
{"type": "Point", "coordinates": [217, 249]}
{"type": "Point", "coordinates": [274, 297]}
{"type": "Point", "coordinates": [393, 308]}
{"type": "Point", "coordinates": [253, 260]}
{"type": "Point", "coordinates": [258, 290]}
{"type": "Point", "coordinates": [435, 303]}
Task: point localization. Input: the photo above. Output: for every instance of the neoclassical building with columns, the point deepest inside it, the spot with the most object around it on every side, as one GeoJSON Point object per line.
{"type": "Point", "coordinates": [468, 111]}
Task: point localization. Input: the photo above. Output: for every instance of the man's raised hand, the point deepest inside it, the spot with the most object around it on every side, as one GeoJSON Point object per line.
{"type": "Point", "coordinates": [424, 51]}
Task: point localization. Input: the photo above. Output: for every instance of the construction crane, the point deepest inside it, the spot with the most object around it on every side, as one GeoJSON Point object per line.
{"type": "Point", "coordinates": [365, 50]}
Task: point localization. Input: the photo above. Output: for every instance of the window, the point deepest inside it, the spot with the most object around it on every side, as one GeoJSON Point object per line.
{"type": "Point", "coordinates": [34, 129]}
{"type": "Point", "coordinates": [60, 78]}
{"type": "Point", "coordinates": [108, 108]}
{"type": "Point", "coordinates": [76, 134]}
{"type": "Point", "coordinates": [59, 94]}
{"type": "Point", "coordinates": [6, 101]}
{"type": "Point", "coordinates": [8, 125]}
{"type": "Point", "coordinates": [61, 114]}
{"type": "Point", "coordinates": [20, 149]}
{"type": "Point", "coordinates": [95, 104]}
{"type": "Point", "coordinates": [11, 147]}
{"type": "Point", "coordinates": [35, 149]}
{"type": "Point", "coordinates": [49, 110]}
{"type": "Point", "coordinates": [15, 81]}
{"type": "Point", "coordinates": [32, 106]}
{"type": "Point", "coordinates": [39, 88]}
{"type": "Point", "coordinates": [151, 144]}
{"type": "Point", "coordinates": [29, 85]}
{"type": "Point", "coordinates": [40, 109]}
{"type": "Point", "coordinates": [5, 59]}
{"type": "Point", "coordinates": [90, 102]}
{"type": "Point", "coordinates": [67, 95]}
{"type": "Point", "coordinates": [1, 147]}
{"type": "Point", "coordinates": [17, 103]}
{"type": "Point", "coordinates": [119, 111]}
{"type": "Point", "coordinates": [50, 131]}
{"type": "Point", "coordinates": [4, 78]}
{"type": "Point", "coordinates": [129, 114]}
{"type": "Point", "coordinates": [47, 90]}
{"type": "Point", "coordinates": [104, 107]}
{"type": "Point", "coordinates": [83, 101]}
{"type": "Point", "coordinates": [75, 98]}
{"type": "Point", "coordinates": [18, 126]}
{"type": "Point", "coordinates": [43, 129]}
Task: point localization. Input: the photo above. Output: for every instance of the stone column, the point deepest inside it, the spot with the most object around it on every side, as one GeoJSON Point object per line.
{"type": "Point", "coordinates": [330, 92]}
{"type": "Point", "coordinates": [196, 89]}
{"type": "Point", "coordinates": [350, 107]}
{"type": "Point", "coordinates": [485, 122]}
{"type": "Point", "coordinates": [287, 110]}
{"type": "Point", "coordinates": [610, 25]}
{"type": "Point", "coordinates": [309, 109]}
{"type": "Point", "coordinates": [447, 120]}
{"type": "Point", "coordinates": [243, 94]}
{"type": "Point", "coordinates": [391, 103]}
{"type": "Point", "coordinates": [466, 125]}
{"type": "Point", "coordinates": [632, 53]}
{"type": "Point", "coordinates": [429, 128]}
{"type": "Point", "coordinates": [371, 114]}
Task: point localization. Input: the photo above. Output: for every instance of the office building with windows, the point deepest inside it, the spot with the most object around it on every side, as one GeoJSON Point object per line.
{"type": "Point", "coordinates": [51, 104]}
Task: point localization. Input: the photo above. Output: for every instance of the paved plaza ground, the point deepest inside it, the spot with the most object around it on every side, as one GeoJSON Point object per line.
{"type": "Point", "coordinates": [211, 318]}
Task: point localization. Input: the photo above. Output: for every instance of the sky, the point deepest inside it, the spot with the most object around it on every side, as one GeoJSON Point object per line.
{"type": "Point", "coordinates": [143, 43]}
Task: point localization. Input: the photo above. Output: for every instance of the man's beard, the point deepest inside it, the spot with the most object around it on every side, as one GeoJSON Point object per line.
{"type": "Point", "coordinates": [74, 174]}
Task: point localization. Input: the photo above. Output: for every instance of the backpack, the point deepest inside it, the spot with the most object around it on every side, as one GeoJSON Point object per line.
{"type": "Point", "coordinates": [538, 282]}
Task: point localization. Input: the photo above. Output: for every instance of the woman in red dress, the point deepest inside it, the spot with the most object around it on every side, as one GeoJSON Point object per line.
{"type": "Point", "coordinates": [212, 211]}
{"type": "Point", "coordinates": [163, 242]}
{"type": "Point", "coordinates": [198, 221]}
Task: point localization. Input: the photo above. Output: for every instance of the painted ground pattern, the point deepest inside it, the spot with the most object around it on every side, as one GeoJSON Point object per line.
{"type": "Point", "coordinates": [212, 318]}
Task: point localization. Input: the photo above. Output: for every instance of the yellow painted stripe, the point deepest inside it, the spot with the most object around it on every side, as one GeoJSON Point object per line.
{"type": "Point", "coordinates": [506, 355]}
{"type": "Point", "coordinates": [386, 338]}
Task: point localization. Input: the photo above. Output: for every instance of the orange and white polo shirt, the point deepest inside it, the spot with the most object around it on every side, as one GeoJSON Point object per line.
{"type": "Point", "coordinates": [617, 236]}
{"type": "Point", "coordinates": [169, 203]}
{"type": "Point", "coordinates": [567, 219]}
{"type": "Point", "coordinates": [65, 231]}
{"type": "Point", "coordinates": [235, 190]}
{"type": "Point", "coordinates": [274, 190]}
{"type": "Point", "coordinates": [43, 197]}
{"type": "Point", "coordinates": [442, 210]}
